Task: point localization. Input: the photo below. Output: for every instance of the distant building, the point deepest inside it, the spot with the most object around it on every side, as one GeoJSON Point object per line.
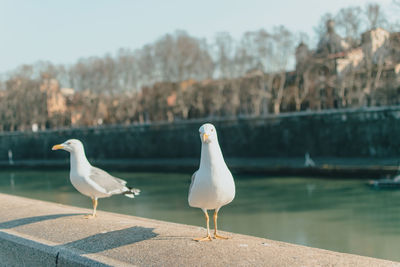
{"type": "Point", "coordinates": [337, 75]}
{"type": "Point", "coordinates": [67, 92]}
{"type": "Point", "coordinates": [331, 42]}
{"type": "Point", "coordinates": [55, 100]}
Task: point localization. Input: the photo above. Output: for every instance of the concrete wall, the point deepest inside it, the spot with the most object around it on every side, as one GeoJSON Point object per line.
{"type": "Point", "coordinates": [37, 233]}
{"type": "Point", "coordinates": [372, 132]}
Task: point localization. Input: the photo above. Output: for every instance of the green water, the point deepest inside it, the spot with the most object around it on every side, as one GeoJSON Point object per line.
{"type": "Point", "coordinates": [334, 214]}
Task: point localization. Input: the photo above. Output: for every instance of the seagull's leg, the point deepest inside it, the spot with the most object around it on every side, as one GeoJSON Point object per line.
{"type": "Point", "coordinates": [94, 200]}
{"type": "Point", "coordinates": [216, 236]}
{"type": "Point", "coordinates": [208, 237]}
{"type": "Point", "coordinates": [93, 215]}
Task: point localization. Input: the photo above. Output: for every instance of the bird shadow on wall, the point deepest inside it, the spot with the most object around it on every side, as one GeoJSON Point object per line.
{"type": "Point", "coordinates": [35, 219]}
{"type": "Point", "coordinates": [110, 240]}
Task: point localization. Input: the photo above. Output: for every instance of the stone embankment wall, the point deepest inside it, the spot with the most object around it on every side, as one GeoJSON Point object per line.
{"type": "Point", "coordinates": [372, 132]}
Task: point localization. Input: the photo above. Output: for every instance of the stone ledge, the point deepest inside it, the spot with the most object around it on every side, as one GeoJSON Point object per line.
{"type": "Point", "coordinates": [22, 251]}
{"type": "Point", "coordinates": [38, 233]}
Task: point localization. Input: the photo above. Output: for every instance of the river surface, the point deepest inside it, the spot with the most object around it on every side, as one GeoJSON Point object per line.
{"type": "Point", "coordinates": [336, 214]}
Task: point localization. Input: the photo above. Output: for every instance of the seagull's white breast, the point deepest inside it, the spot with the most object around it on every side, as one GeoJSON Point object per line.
{"type": "Point", "coordinates": [213, 188]}
{"type": "Point", "coordinates": [80, 178]}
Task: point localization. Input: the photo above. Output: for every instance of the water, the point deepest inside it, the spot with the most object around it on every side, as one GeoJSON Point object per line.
{"type": "Point", "coordinates": [334, 214]}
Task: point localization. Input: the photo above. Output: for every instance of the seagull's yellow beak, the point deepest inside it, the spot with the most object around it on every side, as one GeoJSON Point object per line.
{"type": "Point", "coordinates": [205, 137]}
{"type": "Point", "coordinates": [57, 147]}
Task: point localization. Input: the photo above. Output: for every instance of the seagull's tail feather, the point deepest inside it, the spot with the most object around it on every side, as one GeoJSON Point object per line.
{"type": "Point", "coordinates": [131, 192]}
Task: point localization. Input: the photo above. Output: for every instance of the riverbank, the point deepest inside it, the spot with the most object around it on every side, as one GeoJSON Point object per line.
{"type": "Point", "coordinates": [38, 233]}
{"type": "Point", "coordinates": [324, 166]}
{"type": "Point", "coordinates": [346, 133]}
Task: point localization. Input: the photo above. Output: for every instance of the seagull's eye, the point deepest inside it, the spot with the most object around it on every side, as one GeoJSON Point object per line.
{"type": "Point", "coordinates": [212, 130]}
{"type": "Point", "coordinates": [68, 143]}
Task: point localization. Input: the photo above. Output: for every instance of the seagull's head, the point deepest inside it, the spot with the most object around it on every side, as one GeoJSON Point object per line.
{"type": "Point", "coordinates": [71, 145]}
{"type": "Point", "coordinates": [208, 133]}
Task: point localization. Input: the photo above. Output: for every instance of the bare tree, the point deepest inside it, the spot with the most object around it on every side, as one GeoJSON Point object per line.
{"type": "Point", "coordinates": [320, 29]}
{"type": "Point", "coordinates": [375, 16]}
{"type": "Point", "coordinates": [180, 57]}
{"type": "Point", "coordinates": [127, 71]}
{"type": "Point", "coordinates": [284, 49]}
{"type": "Point", "coordinates": [302, 87]}
{"type": "Point", "coordinates": [348, 21]}
{"type": "Point", "coordinates": [224, 46]}
{"type": "Point", "coordinates": [245, 55]}
{"type": "Point", "coordinates": [146, 64]}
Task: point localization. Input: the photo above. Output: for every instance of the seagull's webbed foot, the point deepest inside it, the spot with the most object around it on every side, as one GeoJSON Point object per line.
{"type": "Point", "coordinates": [217, 236]}
{"type": "Point", "coordinates": [201, 239]}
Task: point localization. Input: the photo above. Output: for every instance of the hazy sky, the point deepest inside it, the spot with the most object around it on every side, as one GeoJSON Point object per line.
{"type": "Point", "coordinates": [63, 31]}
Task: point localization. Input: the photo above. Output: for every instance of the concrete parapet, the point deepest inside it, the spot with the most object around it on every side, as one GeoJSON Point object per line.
{"type": "Point", "coordinates": [38, 233]}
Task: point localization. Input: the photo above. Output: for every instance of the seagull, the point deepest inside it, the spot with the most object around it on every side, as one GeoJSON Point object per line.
{"type": "Point", "coordinates": [212, 185]}
{"type": "Point", "coordinates": [91, 181]}
{"type": "Point", "coordinates": [308, 162]}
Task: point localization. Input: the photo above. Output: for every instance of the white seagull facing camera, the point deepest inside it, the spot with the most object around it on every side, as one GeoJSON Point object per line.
{"type": "Point", "coordinates": [91, 181]}
{"type": "Point", "coordinates": [212, 184]}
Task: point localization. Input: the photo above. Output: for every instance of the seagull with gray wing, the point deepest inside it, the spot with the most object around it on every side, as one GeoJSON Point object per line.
{"type": "Point", "coordinates": [212, 184]}
{"type": "Point", "coordinates": [91, 181]}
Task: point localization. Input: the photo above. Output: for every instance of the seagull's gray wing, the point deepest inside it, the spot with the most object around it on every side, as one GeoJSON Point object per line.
{"type": "Point", "coordinates": [192, 181]}
{"type": "Point", "coordinates": [111, 184]}
{"type": "Point", "coordinates": [123, 182]}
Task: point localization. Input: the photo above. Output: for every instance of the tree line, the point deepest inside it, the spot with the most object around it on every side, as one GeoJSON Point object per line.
{"type": "Point", "coordinates": [248, 76]}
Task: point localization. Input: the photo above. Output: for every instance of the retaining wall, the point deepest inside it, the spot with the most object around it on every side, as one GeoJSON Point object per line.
{"type": "Point", "coordinates": [372, 132]}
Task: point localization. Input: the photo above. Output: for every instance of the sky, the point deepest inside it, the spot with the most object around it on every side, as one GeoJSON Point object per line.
{"type": "Point", "coordinates": [64, 31]}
